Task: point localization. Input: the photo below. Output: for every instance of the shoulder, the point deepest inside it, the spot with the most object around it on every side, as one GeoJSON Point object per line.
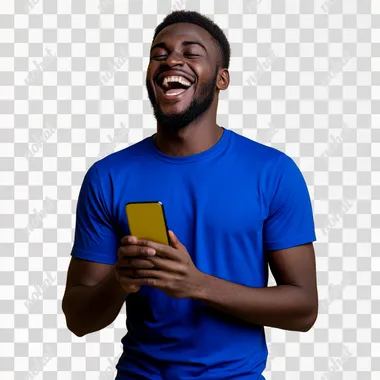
{"type": "Point", "coordinates": [259, 154]}
{"type": "Point", "coordinates": [114, 162]}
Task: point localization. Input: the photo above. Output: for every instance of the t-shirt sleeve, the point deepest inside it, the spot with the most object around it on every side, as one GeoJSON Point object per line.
{"type": "Point", "coordinates": [95, 238]}
{"type": "Point", "coordinates": [290, 219]}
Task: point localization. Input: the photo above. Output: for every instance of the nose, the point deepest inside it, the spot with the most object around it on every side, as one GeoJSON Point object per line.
{"type": "Point", "coordinates": [174, 59]}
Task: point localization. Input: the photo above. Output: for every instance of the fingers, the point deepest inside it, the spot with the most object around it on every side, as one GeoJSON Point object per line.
{"type": "Point", "coordinates": [149, 263]}
{"type": "Point", "coordinates": [133, 241]}
{"type": "Point", "coordinates": [135, 250]}
{"type": "Point", "coordinates": [130, 288]}
{"type": "Point", "coordinates": [174, 242]}
{"type": "Point", "coordinates": [165, 264]}
{"type": "Point", "coordinates": [125, 284]}
{"type": "Point", "coordinates": [128, 283]}
{"type": "Point", "coordinates": [132, 274]}
{"type": "Point", "coordinates": [160, 249]}
{"type": "Point", "coordinates": [132, 246]}
{"type": "Point", "coordinates": [134, 262]}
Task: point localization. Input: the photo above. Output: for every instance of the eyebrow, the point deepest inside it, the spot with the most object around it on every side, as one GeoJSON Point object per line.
{"type": "Point", "coordinates": [184, 43]}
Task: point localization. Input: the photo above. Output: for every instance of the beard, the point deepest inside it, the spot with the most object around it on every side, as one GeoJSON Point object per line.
{"type": "Point", "coordinates": [197, 106]}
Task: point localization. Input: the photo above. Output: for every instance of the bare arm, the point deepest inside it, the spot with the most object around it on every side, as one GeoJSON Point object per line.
{"type": "Point", "coordinates": [291, 305]}
{"type": "Point", "coordinates": [93, 296]}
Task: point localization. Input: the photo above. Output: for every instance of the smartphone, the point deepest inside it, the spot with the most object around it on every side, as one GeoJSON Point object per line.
{"type": "Point", "coordinates": [147, 220]}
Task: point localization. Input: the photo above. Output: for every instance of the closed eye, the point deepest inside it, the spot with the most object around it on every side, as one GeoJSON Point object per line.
{"type": "Point", "coordinates": [161, 56]}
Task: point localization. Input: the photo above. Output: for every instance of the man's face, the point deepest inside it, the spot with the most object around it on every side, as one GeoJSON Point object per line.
{"type": "Point", "coordinates": [182, 74]}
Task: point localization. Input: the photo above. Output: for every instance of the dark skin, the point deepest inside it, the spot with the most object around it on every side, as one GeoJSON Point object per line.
{"type": "Point", "coordinates": [291, 305]}
{"type": "Point", "coordinates": [96, 292]}
{"type": "Point", "coordinates": [171, 56]}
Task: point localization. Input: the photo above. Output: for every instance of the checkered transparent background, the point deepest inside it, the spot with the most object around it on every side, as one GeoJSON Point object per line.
{"type": "Point", "coordinates": [304, 79]}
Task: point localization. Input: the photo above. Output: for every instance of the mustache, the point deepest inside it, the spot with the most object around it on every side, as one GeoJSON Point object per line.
{"type": "Point", "coordinates": [198, 105]}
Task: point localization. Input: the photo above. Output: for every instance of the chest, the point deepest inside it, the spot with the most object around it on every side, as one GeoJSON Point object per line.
{"type": "Point", "coordinates": [214, 202]}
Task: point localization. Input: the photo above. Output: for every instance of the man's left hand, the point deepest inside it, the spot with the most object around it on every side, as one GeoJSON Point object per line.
{"type": "Point", "coordinates": [174, 272]}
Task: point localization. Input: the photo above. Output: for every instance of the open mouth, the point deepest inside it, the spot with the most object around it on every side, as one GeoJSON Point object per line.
{"type": "Point", "coordinates": [174, 87]}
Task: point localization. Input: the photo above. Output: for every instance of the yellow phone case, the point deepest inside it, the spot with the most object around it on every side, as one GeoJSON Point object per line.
{"type": "Point", "coordinates": [147, 220]}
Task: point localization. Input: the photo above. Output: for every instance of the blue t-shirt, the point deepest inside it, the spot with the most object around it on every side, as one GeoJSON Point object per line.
{"type": "Point", "coordinates": [227, 205]}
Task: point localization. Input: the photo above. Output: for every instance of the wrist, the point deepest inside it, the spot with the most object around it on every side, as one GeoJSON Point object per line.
{"type": "Point", "coordinates": [117, 285]}
{"type": "Point", "coordinates": [201, 289]}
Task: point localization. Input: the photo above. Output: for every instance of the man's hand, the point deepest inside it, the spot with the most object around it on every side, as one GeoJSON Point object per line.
{"type": "Point", "coordinates": [168, 268]}
{"type": "Point", "coordinates": [130, 259]}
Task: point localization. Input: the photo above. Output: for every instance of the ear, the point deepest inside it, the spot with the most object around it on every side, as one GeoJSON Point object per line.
{"type": "Point", "coordinates": [223, 80]}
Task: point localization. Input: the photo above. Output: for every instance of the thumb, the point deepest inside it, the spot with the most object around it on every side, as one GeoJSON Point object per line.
{"type": "Point", "coordinates": [175, 243]}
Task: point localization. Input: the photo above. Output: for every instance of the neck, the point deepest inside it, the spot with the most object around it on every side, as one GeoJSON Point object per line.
{"type": "Point", "coordinates": [198, 136]}
{"type": "Point", "coordinates": [192, 139]}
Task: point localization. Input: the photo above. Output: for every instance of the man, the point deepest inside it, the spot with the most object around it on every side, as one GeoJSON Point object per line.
{"type": "Point", "coordinates": [234, 206]}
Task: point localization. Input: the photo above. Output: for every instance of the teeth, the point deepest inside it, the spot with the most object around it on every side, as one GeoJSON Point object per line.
{"type": "Point", "coordinates": [176, 93]}
{"type": "Point", "coordinates": [181, 80]}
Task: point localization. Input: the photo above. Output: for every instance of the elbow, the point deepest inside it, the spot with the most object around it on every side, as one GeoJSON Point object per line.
{"type": "Point", "coordinates": [309, 319]}
{"type": "Point", "coordinates": [308, 312]}
{"type": "Point", "coordinates": [75, 330]}
{"type": "Point", "coordinates": [70, 325]}
{"type": "Point", "coordinates": [78, 334]}
{"type": "Point", "coordinates": [307, 325]}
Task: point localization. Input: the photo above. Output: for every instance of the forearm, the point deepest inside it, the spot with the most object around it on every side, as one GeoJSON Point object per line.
{"type": "Point", "coordinates": [286, 306]}
{"type": "Point", "coordinates": [91, 308]}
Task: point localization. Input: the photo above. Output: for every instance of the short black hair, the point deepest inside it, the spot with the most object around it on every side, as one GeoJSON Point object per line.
{"type": "Point", "coordinates": [205, 23]}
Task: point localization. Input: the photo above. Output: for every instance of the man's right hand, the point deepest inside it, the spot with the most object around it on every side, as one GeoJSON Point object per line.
{"type": "Point", "coordinates": [130, 259]}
